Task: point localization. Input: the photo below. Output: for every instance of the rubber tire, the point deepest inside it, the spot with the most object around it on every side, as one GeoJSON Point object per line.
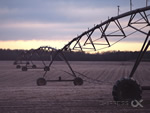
{"type": "Point", "coordinates": [126, 89]}
{"type": "Point", "coordinates": [15, 63]}
{"type": "Point", "coordinates": [78, 81]}
{"type": "Point", "coordinates": [27, 63]}
{"type": "Point", "coordinates": [24, 68]}
{"type": "Point", "coordinates": [18, 66]}
{"type": "Point", "coordinates": [34, 67]}
{"type": "Point", "coordinates": [41, 82]}
{"type": "Point", "coordinates": [46, 68]}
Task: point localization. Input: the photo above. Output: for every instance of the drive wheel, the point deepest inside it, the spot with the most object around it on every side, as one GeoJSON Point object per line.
{"type": "Point", "coordinates": [41, 82]}
{"type": "Point", "coordinates": [24, 68]}
{"type": "Point", "coordinates": [126, 89]}
{"type": "Point", "coordinates": [78, 81]}
{"type": "Point", "coordinates": [34, 66]}
{"type": "Point", "coordinates": [27, 63]}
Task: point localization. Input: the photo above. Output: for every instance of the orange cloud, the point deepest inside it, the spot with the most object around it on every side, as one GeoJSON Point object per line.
{"type": "Point", "coordinates": [31, 44]}
{"type": "Point", "coordinates": [34, 44]}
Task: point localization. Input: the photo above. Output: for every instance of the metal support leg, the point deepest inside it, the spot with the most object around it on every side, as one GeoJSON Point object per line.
{"type": "Point", "coordinates": [140, 56]}
{"type": "Point", "coordinates": [65, 59]}
{"type": "Point", "coordinates": [53, 58]}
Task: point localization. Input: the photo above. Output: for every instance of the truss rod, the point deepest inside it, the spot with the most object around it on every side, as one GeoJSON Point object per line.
{"type": "Point", "coordinates": [106, 23]}
{"type": "Point", "coordinates": [144, 48]}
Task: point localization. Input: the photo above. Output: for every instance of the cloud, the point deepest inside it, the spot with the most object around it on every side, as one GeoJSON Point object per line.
{"type": "Point", "coordinates": [31, 44]}
{"type": "Point", "coordinates": [44, 31]}
{"type": "Point", "coordinates": [59, 13]}
{"type": "Point", "coordinates": [27, 24]}
{"type": "Point", "coordinates": [55, 19]}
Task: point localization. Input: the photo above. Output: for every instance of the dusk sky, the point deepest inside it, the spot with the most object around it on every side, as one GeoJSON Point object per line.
{"type": "Point", "coordinates": [26, 24]}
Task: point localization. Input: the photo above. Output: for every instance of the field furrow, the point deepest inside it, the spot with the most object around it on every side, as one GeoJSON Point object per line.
{"type": "Point", "coordinates": [20, 94]}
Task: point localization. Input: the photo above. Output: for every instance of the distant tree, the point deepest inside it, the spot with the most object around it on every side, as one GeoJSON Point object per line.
{"type": "Point", "coordinates": [7, 54]}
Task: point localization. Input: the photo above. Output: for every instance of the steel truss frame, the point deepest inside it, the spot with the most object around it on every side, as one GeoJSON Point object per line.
{"type": "Point", "coordinates": [53, 54]}
{"type": "Point", "coordinates": [75, 43]}
{"type": "Point", "coordinates": [104, 27]}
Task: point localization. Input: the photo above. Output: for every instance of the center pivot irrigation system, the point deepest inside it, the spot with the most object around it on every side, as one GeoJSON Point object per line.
{"type": "Point", "coordinates": [101, 36]}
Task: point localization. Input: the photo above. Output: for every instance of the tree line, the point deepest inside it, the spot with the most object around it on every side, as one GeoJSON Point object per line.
{"type": "Point", "coordinates": [6, 54]}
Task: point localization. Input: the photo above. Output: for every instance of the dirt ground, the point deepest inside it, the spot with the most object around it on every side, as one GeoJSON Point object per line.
{"type": "Point", "coordinates": [20, 94]}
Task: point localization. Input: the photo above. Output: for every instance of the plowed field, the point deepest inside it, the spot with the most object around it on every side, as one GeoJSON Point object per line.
{"type": "Point", "coordinates": [20, 94]}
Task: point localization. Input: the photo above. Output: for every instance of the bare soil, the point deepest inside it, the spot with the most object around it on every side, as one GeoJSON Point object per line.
{"type": "Point", "coordinates": [20, 94]}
